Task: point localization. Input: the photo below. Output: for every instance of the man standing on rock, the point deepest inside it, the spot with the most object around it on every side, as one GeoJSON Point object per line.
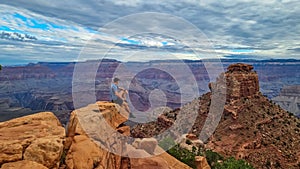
{"type": "Point", "coordinates": [118, 94]}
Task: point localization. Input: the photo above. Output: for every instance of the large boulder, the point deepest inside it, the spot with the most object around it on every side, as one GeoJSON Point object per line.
{"type": "Point", "coordinates": [93, 129]}
{"type": "Point", "coordinates": [147, 144]}
{"type": "Point", "coordinates": [46, 151]}
{"type": "Point", "coordinates": [38, 137]}
{"type": "Point", "coordinates": [97, 126]}
{"type": "Point", "coordinates": [190, 141]}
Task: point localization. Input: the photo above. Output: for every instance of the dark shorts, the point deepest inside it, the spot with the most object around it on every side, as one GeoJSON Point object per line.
{"type": "Point", "coordinates": [119, 101]}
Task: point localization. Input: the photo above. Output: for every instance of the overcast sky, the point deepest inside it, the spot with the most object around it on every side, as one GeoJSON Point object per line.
{"type": "Point", "coordinates": [71, 30]}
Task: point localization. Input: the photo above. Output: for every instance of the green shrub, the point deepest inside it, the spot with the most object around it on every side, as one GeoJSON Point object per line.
{"type": "Point", "coordinates": [232, 163]}
{"type": "Point", "coordinates": [188, 142]}
{"type": "Point", "coordinates": [167, 143]}
{"type": "Point", "coordinates": [183, 155]}
{"type": "Point", "coordinates": [188, 157]}
{"type": "Point", "coordinates": [212, 157]}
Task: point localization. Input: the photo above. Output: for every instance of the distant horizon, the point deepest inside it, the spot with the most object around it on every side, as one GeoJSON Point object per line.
{"type": "Point", "coordinates": [158, 60]}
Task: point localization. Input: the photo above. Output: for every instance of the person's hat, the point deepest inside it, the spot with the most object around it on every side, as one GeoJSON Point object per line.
{"type": "Point", "coordinates": [116, 79]}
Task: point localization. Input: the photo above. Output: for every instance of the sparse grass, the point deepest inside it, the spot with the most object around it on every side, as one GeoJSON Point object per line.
{"type": "Point", "coordinates": [232, 163]}
{"type": "Point", "coordinates": [184, 155]}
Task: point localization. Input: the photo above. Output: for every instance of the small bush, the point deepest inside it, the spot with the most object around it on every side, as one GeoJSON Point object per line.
{"type": "Point", "coordinates": [232, 163]}
{"type": "Point", "coordinates": [268, 164]}
{"type": "Point", "coordinates": [183, 155]}
{"type": "Point", "coordinates": [212, 157]}
{"type": "Point", "coordinates": [188, 157]}
{"type": "Point", "coordinates": [167, 143]}
{"type": "Point", "coordinates": [188, 142]}
{"type": "Point", "coordinates": [277, 164]}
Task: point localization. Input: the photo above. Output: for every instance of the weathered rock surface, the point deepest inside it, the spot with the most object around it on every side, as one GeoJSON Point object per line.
{"type": "Point", "coordinates": [38, 137]}
{"type": "Point", "coordinates": [201, 163]}
{"type": "Point", "coordinates": [86, 127]}
{"type": "Point", "coordinates": [24, 164]}
{"type": "Point", "coordinates": [188, 141]}
{"type": "Point", "coordinates": [46, 151]}
{"type": "Point", "coordinates": [149, 163]}
{"type": "Point", "coordinates": [147, 144]}
{"type": "Point", "coordinates": [240, 81]}
{"type": "Point", "coordinates": [93, 129]}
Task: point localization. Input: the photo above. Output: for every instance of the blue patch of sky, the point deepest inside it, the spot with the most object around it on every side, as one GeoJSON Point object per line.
{"type": "Point", "coordinates": [56, 26]}
{"type": "Point", "coordinates": [242, 50]}
{"type": "Point", "coordinates": [41, 24]}
{"type": "Point", "coordinates": [164, 43]}
{"type": "Point", "coordinates": [38, 25]}
{"type": "Point", "coordinates": [31, 22]}
{"type": "Point", "coordinates": [74, 28]}
{"type": "Point", "coordinates": [19, 16]}
{"type": "Point", "coordinates": [131, 41]}
{"type": "Point", "coordinates": [7, 29]}
{"type": "Point", "coordinates": [92, 31]}
{"type": "Point", "coordinates": [9, 61]}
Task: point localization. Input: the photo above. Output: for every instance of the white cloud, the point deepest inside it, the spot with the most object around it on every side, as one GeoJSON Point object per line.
{"type": "Point", "coordinates": [271, 28]}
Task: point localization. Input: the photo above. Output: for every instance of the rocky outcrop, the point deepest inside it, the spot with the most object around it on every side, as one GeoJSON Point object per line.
{"type": "Point", "coordinates": [94, 142]}
{"type": "Point", "coordinates": [239, 67]}
{"type": "Point", "coordinates": [85, 129]}
{"type": "Point", "coordinates": [201, 163]}
{"type": "Point", "coordinates": [147, 144]}
{"type": "Point", "coordinates": [34, 141]}
{"type": "Point", "coordinates": [240, 81]}
{"type": "Point", "coordinates": [251, 127]}
{"type": "Point", "coordinates": [190, 141]}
